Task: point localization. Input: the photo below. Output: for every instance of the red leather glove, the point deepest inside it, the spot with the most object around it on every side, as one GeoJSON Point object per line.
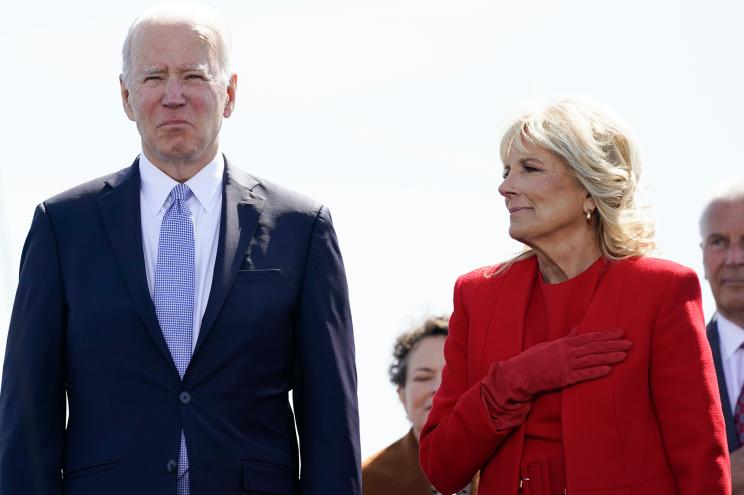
{"type": "Point", "coordinates": [509, 385]}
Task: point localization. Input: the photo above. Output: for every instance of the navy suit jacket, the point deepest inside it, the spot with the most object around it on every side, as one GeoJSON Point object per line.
{"type": "Point", "coordinates": [715, 346]}
{"type": "Point", "coordinates": [84, 330]}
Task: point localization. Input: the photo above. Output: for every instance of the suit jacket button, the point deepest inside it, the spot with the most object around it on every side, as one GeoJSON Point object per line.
{"type": "Point", "coordinates": [171, 466]}
{"type": "Point", "coordinates": [185, 398]}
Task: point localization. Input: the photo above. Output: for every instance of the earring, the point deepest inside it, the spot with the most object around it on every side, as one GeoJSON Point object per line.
{"type": "Point", "coordinates": [589, 217]}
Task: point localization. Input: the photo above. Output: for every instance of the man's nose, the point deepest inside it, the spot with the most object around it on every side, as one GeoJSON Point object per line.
{"type": "Point", "coordinates": [173, 93]}
{"type": "Point", "coordinates": [735, 254]}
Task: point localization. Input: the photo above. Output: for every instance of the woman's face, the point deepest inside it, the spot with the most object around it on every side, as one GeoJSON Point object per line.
{"type": "Point", "coordinates": [423, 376]}
{"type": "Point", "coordinates": [546, 204]}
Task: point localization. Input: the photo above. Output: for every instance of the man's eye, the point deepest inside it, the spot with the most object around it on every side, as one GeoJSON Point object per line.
{"type": "Point", "coordinates": [530, 168]}
{"type": "Point", "coordinates": [718, 242]}
{"type": "Point", "coordinates": [152, 78]}
{"type": "Point", "coordinates": [196, 76]}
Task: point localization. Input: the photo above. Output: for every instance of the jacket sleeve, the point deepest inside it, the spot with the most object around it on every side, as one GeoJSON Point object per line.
{"type": "Point", "coordinates": [32, 398]}
{"type": "Point", "coordinates": [459, 435]}
{"type": "Point", "coordinates": [325, 396]}
{"type": "Point", "coordinates": [685, 391]}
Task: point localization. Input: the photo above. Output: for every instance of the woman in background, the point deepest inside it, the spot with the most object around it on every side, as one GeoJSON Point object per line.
{"type": "Point", "coordinates": [542, 391]}
{"type": "Point", "coordinates": [416, 371]}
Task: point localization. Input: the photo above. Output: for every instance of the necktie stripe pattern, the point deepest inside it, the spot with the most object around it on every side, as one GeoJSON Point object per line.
{"type": "Point", "coordinates": [739, 418]}
{"type": "Point", "coordinates": [173, 296]}
{"type": "Point", "coordinates": [739, 414]}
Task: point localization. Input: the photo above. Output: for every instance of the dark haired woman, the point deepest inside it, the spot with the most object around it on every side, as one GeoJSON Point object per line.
{"type": "Point", "coordinates": [418, 358]}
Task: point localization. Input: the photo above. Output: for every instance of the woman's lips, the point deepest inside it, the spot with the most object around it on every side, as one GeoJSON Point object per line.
{"type": "Point", "coordinates": [516, 209]}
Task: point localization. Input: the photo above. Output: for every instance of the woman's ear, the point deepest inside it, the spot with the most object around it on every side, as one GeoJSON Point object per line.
{"type": "Point", "coordinates": [589, 204]}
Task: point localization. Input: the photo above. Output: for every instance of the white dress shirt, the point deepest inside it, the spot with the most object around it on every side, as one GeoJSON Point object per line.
{"type": "Point", "coordinates": [206, 207]}
{"type": "Point", "coordinates": [732, 356]}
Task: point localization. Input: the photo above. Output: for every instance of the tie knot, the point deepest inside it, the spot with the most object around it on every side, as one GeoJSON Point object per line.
{"type": "Point", "coordinates": [180, 191]}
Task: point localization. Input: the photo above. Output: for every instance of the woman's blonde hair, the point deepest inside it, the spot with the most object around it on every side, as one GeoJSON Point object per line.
{"type": "Point", "coordinates": [604, 160]}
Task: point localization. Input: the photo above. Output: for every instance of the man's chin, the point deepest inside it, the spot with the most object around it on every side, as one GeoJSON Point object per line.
{"type": "Point", "coordinates": [731, 300]}
{"type": "Point", "coordinates": [178, 153]}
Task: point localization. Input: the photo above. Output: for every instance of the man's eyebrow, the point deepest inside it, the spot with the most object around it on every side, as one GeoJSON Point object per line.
{"type": "Point", "coordinates": [195, 67]}
{"type": "Point", "coordinates": [152, 70]}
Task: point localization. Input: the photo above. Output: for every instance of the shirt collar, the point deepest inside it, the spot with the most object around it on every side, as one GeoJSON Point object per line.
{"type": "Point", "coordinates": [206, 185]}
{"type": "Point", "coordinates": [731, 335]}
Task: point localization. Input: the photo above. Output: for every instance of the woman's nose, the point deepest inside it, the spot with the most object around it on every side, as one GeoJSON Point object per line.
{"type": "Point", "coordinates": [435, 383]}
{"type": "Point", "coordinates": [506, 188]}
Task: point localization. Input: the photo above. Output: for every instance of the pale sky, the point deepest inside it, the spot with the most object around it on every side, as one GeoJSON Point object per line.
{"type": "Point", "coordinates": [390, 113]}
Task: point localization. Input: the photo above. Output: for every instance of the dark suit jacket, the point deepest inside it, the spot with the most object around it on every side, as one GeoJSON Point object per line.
{"type": "Point", "coordinates": [84, 328]}
{"type": "Point", "coordinates": [715, 346]}
{"type": "Point", "coordinates": [653, 426]}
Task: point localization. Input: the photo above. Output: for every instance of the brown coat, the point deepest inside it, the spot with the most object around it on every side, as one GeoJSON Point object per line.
{"type": "Point", "coordinates": [395, 470]}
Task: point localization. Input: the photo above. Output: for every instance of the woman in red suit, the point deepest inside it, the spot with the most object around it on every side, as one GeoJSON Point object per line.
{"type": "Point", "coordinates": [581, 366]}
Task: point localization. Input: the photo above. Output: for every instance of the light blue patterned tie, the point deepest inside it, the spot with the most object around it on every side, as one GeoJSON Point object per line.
{"type": "Point", "coordinates": [174, 294]}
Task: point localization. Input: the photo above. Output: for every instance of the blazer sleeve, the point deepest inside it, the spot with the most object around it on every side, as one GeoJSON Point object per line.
{"type": "Point", "coordinates": [32, 398]}
{"type": "Point", "coordinates": [458, 437]}
{"type": "Point", "coordinates": [324, 396]}
{"type": "Point", "coordinates": [685, 391]}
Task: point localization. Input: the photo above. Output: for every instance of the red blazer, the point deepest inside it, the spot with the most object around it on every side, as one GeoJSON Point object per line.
{"type": "Point", "coordinates": [652, 426]}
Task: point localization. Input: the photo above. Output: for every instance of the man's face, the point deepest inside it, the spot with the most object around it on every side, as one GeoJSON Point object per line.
{"type": "Point", "coordinates": [723, 255]}
{"type": "Point", "coordinates": [176, 93]}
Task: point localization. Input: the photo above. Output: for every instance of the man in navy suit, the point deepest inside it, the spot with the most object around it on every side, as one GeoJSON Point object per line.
{"type": "Point", "coordinates": [722, 231]}
{"type": "Point", "coordinates": [174, 305]}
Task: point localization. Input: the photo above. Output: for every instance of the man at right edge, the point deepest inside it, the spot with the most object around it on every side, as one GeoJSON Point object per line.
{"type": "Point", "coordinates": [722, 233]}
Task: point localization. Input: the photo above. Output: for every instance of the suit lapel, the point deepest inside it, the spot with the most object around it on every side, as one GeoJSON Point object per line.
{"type": "Point", "coordinates": [241, 209]}
{"type": "Point", "coordinates": [715, 347]}
{"type": "Point", "coordinates": [604, 307]}
{"type": "Point", "coordinates": [595, 424]}
{"type": "Point", "coordinates": [504, 335]}
{"type": "Point", "coordinates": [120, 213]}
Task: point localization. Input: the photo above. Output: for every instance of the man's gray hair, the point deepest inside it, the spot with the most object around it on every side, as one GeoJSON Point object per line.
{"type": "Point", "coordinates": [205, 20]}
{"type": "Point", "coordinates": [730, 191]}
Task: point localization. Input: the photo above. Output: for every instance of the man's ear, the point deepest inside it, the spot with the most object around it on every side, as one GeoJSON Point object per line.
{"type": "Point", "coordinates": [232, 90]}
{"type": "Point", "coordinates": [125, 98]}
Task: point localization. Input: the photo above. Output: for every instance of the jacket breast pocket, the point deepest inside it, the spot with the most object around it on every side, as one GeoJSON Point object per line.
{"type": "Point", "coordinates": [98, 467]}
{"type": "Point", "coordinates": [268, 275]}
{"type": "Point", "coordinates": [268, 479]}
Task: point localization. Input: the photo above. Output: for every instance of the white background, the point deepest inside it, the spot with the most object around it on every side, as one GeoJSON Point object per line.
{"type": "Point", "coordinates": [390, 112]}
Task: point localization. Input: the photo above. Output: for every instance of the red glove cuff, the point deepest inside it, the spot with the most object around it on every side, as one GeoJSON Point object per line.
{"type": "Point", "coordinates": [505, 408]}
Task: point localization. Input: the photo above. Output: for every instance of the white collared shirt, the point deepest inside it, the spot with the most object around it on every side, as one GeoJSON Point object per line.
{"type": "Point", "coordinates": [206, 207]}
{"type": "Point", "coordinates": [731, 338]}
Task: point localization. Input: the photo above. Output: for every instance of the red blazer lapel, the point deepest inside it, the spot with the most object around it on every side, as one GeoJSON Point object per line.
{"type": "Point", "coordinates": [591, 443]}
{"type": "Point", "coordinates": [502, 338]}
